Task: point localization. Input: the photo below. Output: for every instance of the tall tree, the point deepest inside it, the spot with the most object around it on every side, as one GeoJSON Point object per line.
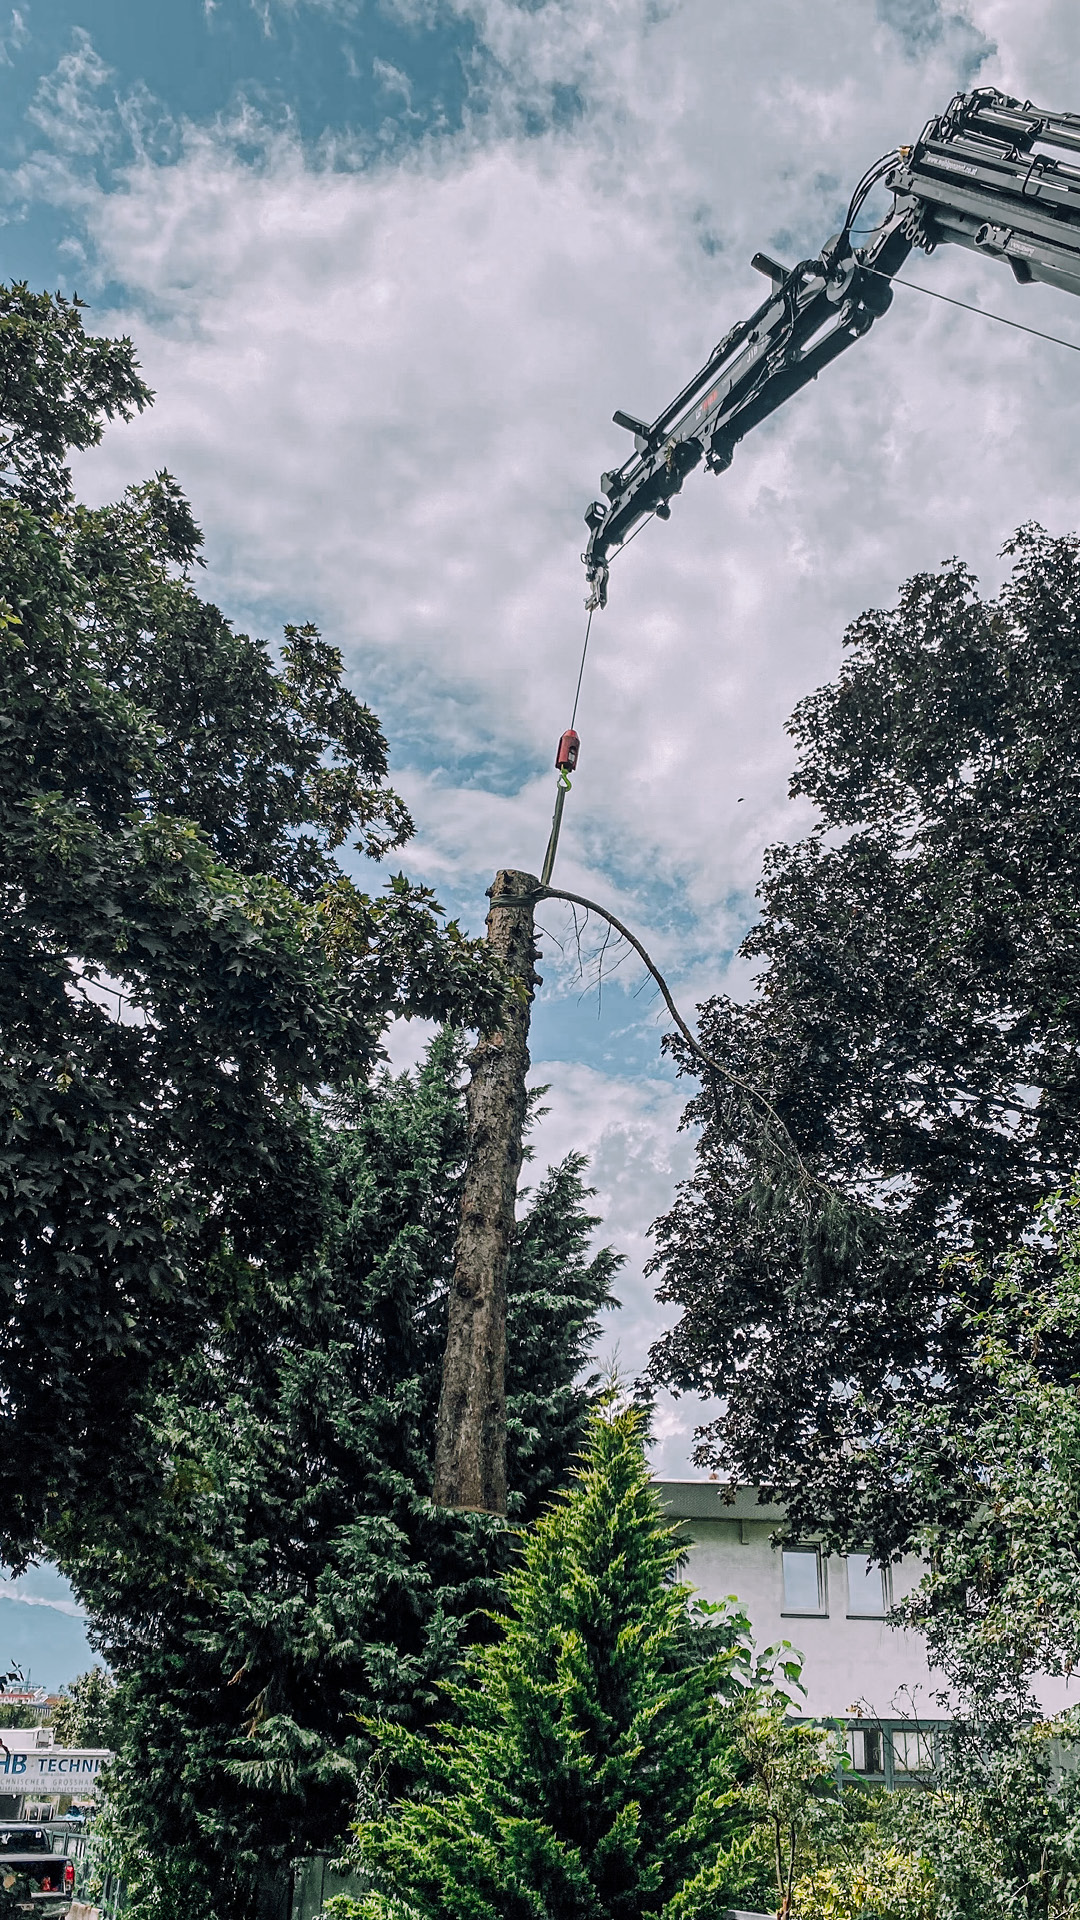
{"type": "Point", "coordinates": [285, 1569]}
{"type": "Point", "coordinates": [183, 962]}
{"type": "Point", "coordinates": [916, 1032]}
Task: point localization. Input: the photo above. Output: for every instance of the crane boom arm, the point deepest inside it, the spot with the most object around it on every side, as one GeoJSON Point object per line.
{"type": "Point", "coordinates": [979, 175]}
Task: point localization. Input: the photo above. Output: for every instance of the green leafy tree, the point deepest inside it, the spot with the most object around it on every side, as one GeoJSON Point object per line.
{"type": "Point", "coordinates": [916, 1032]}
{"type": "Point", "coordinates": [999, 1818]}
{"type": "Point", "coordinates": [184, 964]}
{"type": "Point", "coordinates": [998, 1824]}
{"type": "Point", "coordinates": [587, 1770]}
{"type": "Point", "coordinates": [1000, 1601]}
{"type": "Point", "coordinates": [290, 1572]}
{"type": "Point", "coordinates": [991, 1830]}
{"type": "Point", "coordinates": [16, 1714]}
{"type": "Point", "coordinates": [790, 1788]}
{"type": "Point", "coordinates": [87, 1713]}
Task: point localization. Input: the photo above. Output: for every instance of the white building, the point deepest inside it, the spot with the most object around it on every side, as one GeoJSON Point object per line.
{"type": "Point", "coordinates": [833, 1609]}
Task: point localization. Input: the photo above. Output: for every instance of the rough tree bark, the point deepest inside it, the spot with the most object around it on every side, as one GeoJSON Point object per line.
{"type": "Point", "coordinates": [470, 1442]}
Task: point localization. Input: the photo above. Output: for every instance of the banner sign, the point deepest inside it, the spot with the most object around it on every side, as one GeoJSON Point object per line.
{"type": "Point", "coordinates": [51, 1769]}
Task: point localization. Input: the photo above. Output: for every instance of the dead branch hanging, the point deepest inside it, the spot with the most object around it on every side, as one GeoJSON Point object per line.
{"type": "Point", "coordinates": [715, 1066]}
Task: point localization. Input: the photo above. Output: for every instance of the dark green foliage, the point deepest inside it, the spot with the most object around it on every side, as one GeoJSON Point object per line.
{"type": "Point", "coordinates": [289, 1572]}
{"type": "Point", "coordinates": [13, 1714]}
{"type": "Point", "coordinates": [182, 962]}
{"type": "Point", "coordinates": [550, 1329]}
{"type": "Point", "coordinates": [918, 1030]}
{"type": "Point", "coordinates": [1000, 1823]}
{"type": "Point", "coordinates": [58, 386]}
{"type": "Point", "coordinates": [278, 764]}
{"type": "Point", "coordinates": [587, 1771]}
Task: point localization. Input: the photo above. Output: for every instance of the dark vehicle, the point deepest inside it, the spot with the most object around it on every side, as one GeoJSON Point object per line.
{"type": "Point", "coordinates": [33, 1879]}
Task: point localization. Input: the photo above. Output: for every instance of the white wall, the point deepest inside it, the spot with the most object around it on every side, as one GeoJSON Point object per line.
{"type": "Point", "coordinates": [852, 1665]}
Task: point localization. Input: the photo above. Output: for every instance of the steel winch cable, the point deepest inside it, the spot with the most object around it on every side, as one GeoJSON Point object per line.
{"type": "Point", "coordinates": [569, 739]}
{"type": "Point", "coordinates": [565, 760]}
{"type": "Point", "coordinates": [581, 669]}
{"type": "Point", "coordinates": [950, 300]}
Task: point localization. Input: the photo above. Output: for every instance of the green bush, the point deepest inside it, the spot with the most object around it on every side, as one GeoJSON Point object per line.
{"type": "Point", "coordinates": [888, 1884]}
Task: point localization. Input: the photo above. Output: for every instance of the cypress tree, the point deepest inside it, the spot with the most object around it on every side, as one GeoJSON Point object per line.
{"type": "Point", "coordinates": [587, 1772]}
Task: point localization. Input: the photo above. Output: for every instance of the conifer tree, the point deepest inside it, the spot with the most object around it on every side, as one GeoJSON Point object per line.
{"type": "Point", "coordinates": [587, 1772]}
{"type": "Point", "coordinates": [291, 1573]}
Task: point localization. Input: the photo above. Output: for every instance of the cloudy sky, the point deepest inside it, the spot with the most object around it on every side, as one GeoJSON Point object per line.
{"type": "Point", "coordinates": [391, 265]}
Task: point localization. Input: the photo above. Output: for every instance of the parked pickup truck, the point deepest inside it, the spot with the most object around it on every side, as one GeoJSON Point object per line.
{"type": "Point", "coordinates": [33, 1879]}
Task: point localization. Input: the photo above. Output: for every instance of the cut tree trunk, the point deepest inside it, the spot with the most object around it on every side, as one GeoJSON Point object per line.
{"type": "Point", "coordinates": [470, 1443]}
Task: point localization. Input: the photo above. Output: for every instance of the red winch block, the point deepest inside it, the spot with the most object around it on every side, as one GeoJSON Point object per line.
{"type": "Point", "coordinates": [566, 757]}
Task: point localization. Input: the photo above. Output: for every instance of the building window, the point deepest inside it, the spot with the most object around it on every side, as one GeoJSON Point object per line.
{"type": "Point", "coordinates": [867, 1587]}
{"type": "Point", "coordinates": [804, 1581]}
{"type": "Point", "coordinates": [912, 1749]}
{"type": "Point", "coordinates": [864, 1746]}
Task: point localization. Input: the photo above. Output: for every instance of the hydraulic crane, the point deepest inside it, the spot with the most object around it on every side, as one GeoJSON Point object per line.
{"type": "Point", "coordinates": [984, 175]}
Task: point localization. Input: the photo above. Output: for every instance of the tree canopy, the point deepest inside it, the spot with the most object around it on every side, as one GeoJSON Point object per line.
{"type": "Point", "coordinates": [916, 1031]}
{"type": "Point", "coordinates": [86, 1715]}
{"type": "Point", "coordinates": [184, 962]}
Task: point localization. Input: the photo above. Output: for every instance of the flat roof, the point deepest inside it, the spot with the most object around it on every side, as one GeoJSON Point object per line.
{"type": "Point", "coordinates": [715, 1500]}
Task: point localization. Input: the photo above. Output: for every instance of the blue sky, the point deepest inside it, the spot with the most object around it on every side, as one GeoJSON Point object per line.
{"type": "Point", "coordinates": [359, 75]}
{"type": "Point", "coordinates": [350, 71]}
{"type": "Point", "coordinates": [42, 1628]}
{"type": "Point", "coordinates": [390, 265]}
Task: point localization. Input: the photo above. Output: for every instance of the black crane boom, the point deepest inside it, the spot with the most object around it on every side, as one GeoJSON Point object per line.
{"type": "Point", "coordinates": [987, 174]}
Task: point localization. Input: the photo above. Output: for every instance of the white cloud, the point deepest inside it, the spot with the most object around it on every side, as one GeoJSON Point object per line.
{"type": "Point", "coordinates": [9, 1590]}
{"type": "Point", "coordinates": [67, 107]}
{"type": "Point", "coordinates": [392, 80]}
{"type": "Point", "coordinates": [13, 37]}
{"type": "Point", "coordinates": [629, 1130]}
{"type": "Point", "coordinates": [389, 393]}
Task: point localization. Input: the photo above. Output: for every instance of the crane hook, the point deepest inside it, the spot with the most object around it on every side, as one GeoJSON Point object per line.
{"type": "Point", "coordinates": [566, 759]}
